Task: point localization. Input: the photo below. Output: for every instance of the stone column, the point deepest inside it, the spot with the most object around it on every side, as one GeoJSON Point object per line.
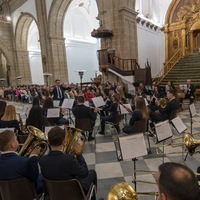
{"type": "Point", "coordinates": [23, 66]}
{"type": "Point", "coordinates": [43, 33]}
{"type": "Point", "coordinates": [59, 60]}
{"type": "Point", "coordinates": [183, 35]}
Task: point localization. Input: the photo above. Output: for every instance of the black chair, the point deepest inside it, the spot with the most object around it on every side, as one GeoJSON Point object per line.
{"type": "Point", "coordinates": [67, 189]}
{"type": "Point", "coordinates": [17, 189]}
{"type": "Point", "coordinates": [84, 124]}
{"type": "Point", "coordinates": [140, 126]}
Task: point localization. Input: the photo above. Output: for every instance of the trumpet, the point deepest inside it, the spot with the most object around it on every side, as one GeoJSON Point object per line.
{"type": "Point", "coordinates": [125, 191]}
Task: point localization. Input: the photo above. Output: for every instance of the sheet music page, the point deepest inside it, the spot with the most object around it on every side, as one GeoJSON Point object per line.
{"type": "Point", "coordinates": [124, 110]}
{"type": "Point", "coordinates": [56, 103]}
{"type": "Point", "coordinates": [179, 125]}
{"type": "Point", "coordinates": [4, 129]}
{"type": "Point", "coordinates": [146, 102]}
{"type": "Point", "coordinates": [68, 103]}
{"type": "Point", "coordinates": [163, 130]}
{"type": "Point", "coordinates": [53, 112]}
{"type": "Point", "coordinates": [86, 103]}
{"type": "Point", "coordinates": [48, 128]}
{"type": "Point", "coordinates": [98, 101]}
{"type": "Point", "coordinates": [193, 111]}
{"type": "Point", "coordinates": [133, 146]}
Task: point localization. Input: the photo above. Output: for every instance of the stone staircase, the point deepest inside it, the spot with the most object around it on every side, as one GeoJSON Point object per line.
{"type": "Point", "coordinates": [186, 68]}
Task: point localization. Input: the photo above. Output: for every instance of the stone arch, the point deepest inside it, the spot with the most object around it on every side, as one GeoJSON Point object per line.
{"type": "Point", "coordinates": [170, 11]}
{"type": "Point", "coordinates": [7, 53]}
{"type": "Point", "coordinates": [22, 27]}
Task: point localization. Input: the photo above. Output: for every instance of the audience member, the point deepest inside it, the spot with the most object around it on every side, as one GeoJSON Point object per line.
{"type": "Point", "coordinates": [177, 182]}
{"type": "Point", "coordinates": [13, 166]}
{"type": "Point", "coordinates": [60, 166]}
{"type": "Point", "coordinates": [189, 91]}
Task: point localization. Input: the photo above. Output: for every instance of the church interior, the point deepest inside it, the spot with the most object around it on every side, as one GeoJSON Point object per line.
{"type": "Point", "coordinates": [121, 43]}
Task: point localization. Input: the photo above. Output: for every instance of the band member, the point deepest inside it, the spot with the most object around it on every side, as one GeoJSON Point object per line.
{"type": "Point", "coordinates": [140, 112]}
{"type": "Point", "coordinates": [82, 111]}
{"type": "Point", "coordinates": [12, 166]}
{"type": "Point", "coordinates": [59, 166]}
{"type": "Point", "coordinates": [113, 112]}
{"type": "Point", "coordinates": [161, 113]}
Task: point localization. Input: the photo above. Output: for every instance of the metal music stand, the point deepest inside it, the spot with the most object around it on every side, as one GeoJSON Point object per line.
{"type": "Point", "coordinates": [193, 112]}
{"type": "Point", "coordinates": [71, 121]}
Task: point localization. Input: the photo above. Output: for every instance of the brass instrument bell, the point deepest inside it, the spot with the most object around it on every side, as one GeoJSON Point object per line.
{"type": "Point", "coordinates": [163, 102]}
{"type": "Point", "coordinates": [191, 143]}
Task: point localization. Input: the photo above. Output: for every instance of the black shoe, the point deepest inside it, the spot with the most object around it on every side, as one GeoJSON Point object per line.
{"type": "Point", "coordinates": [90, 138]}
{"type": "Point", "coordinates": [101, 133]}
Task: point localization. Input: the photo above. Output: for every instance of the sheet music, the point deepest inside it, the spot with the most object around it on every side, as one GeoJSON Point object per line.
{"type": "Point", "coordinates": [98, 101]}
{"type": "Point", "coordinates": [163, 130]}
{"type": "Point", "coordinates": [133, 146]}
{"type": "Point", "coordinates": [86, 103]}
{"type": "Point", "coordinates": [179, 125]}
{"type": "Point", "coordinates": [124, 110]}
{"type": "Point", "coordinates": [192, 109]}
{"type": "Point", "coordinates": [56, 103]}
{"type": "Point", "coordinates": [53, 112]}
{"type": "Point", "coordinates": [68, 103]}
{"type": "Point", "coordinates": [146, 102]}
{"type": "Point", "coordinates": [4, 129]}
{"type": "Point", "coordinates": [48, 128]}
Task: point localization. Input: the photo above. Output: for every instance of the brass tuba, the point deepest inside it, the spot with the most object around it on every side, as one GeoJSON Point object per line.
{"type": "Point", "coordinates": [124, 191]}
{"type": "Point", "coordinates": [191, 143]}
{"type": "Point", "coordinates": [72, 137]}
{"type": "Point", "coordinates": [35, 138]}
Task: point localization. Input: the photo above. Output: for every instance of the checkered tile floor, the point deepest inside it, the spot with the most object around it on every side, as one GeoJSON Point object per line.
{"type": "Point", "coordinates": [102, 157]}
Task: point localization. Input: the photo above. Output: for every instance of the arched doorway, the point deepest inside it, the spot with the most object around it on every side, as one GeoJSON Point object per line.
{"type": "Point", "coordinates": [195, 37]}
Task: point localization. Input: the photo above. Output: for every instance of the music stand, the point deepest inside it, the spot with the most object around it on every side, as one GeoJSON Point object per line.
{"type": "Point", "coordinates": [180, 128]}
{"type": "Point", "coordinates": [193, 112]}
{"type": "Point", "coordinates": [68, 104]}
{"type": "Point", "coordinates": [131, 147]}
{"type": "Point", "coordinates": [163, 132]}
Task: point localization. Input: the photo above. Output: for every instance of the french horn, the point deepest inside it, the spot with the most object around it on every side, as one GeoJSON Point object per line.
{"type": "Point", "coordinates": [72, 137]}
{"type": "Point", "coordinates": [163, 102]}
{"type": "Point", "coordinates": [35, 138]}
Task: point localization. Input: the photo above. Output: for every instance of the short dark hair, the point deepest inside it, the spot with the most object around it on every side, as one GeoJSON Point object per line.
{"type": "Point", "coordinates": [172, 91]}
{"type": "Point", "coordinates": [5, 138]}
{"type": "Point", "coordinates": [80, 99]}
{"type": "Point", "coordinates": [56, 135]}
{"type": "Point", "coordinates": [178, 182]}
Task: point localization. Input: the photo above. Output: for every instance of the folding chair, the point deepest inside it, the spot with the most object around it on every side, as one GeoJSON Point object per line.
{"type": "Point", "coordinates": [67, 189]}
{"type": "Point", "coordinates": [17, 189]}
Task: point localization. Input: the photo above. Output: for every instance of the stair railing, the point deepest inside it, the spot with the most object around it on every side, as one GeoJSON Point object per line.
{"type": "Point", "coordinates": [167, 67]}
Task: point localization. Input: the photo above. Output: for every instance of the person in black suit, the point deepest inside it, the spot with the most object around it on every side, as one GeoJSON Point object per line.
{"type": "Point", "coordinates": [13, 166]}
{"type": "Point", "coordinates": [58, 91]}
{"type": "Point", "coordinates": [161, 113]}
{"type": "Point", "coordinates": [189, 91]}
{"type": "Point", "coordinates": [82, 111]}
{"type": "Point", "coordinates": [60, 166]}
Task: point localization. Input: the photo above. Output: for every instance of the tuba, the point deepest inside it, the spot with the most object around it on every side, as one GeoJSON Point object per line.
{"type": "Point", "coordinates": [35, 138]}
{"type": "Point", "coordinates": [124, 191]}
{"type": "Point", "coordinates": [191, 143]}
{"type": "Point", "coordinates": [72, 137]}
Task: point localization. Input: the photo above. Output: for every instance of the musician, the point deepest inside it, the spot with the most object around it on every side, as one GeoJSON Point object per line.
{"type": "Point", "coordinates": [140, 112]}
{"type": "Point", "coordinates": [189, 91]}
{"type": "Point", "coordinates": [59, 166]}
{"type": "Point", "coordinates": [12, 166]}
{"type": "Point", "coordinates": [58, 91]}
{"type": "Point", "coordinates": [82, 111]}
{"type": "Point", "coordinates": [162, 114]}
{"type": "Point", "coordinates": [177, 182]}
{"type": "Point", "coordinates": [9, 119]}
{"type": "Point", "coordinates": [113, 112]}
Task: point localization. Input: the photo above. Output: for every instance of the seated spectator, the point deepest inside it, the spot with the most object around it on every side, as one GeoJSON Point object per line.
{"type": "Point", "coordinates": [13, 166]}
{"type": "Point", "coordinates": [9, 119]}
{"type": "Point", "coordinates": [140, 112]}
{"type": "Point", "coordinates": [177, 182]}
{"type": "Point", "coordinates": [60, 166]}
{"type": "Point", "coordinates": [189, 91]}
